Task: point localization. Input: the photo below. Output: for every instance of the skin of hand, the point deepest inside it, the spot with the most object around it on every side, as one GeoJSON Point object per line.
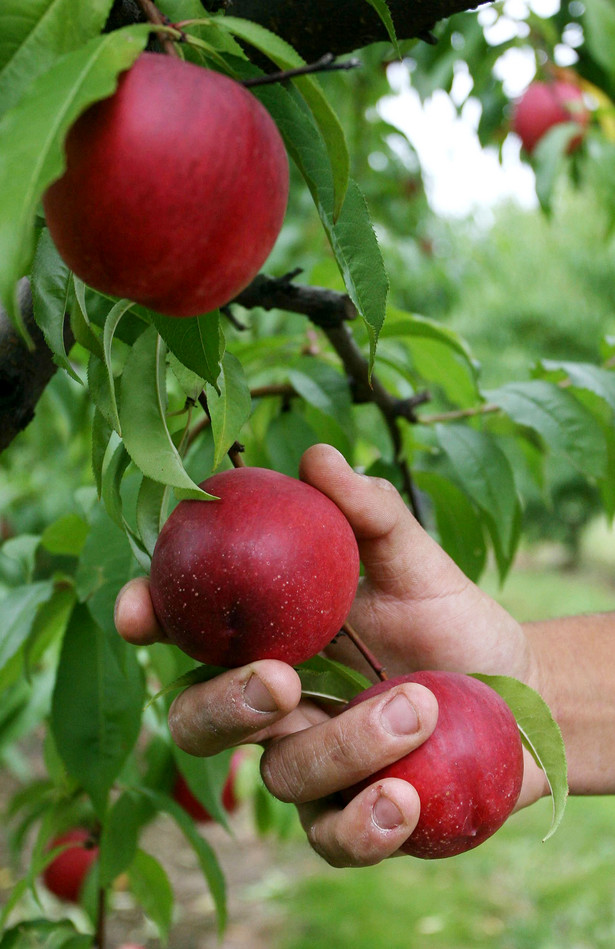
{"type": "Point", "coordinates": [416, 610]}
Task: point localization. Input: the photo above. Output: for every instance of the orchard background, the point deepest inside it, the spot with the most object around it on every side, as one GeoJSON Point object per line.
{"type": "Point", "coordinates": [470, 361]}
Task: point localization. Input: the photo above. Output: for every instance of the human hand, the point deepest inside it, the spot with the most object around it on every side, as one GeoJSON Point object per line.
{"type": "Point", "coordinates": [416, 610]}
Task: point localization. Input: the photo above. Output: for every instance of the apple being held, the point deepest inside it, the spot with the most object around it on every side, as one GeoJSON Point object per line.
{"type": "Point", "coordinates": [545, 104]}
{"type": "Point", "coordinates": [467, 774]}
{"type": "Point", "coordinates": [65, 874]}
{"type": "Point", "coordinates": [267, 571]}
{"type": "Point", "coordinates": [175, 188]}
{"type": "Point", "coordinates": [184, 796]}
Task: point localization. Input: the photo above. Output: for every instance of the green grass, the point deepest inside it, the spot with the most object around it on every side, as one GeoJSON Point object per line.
{"type": "Point", "coordinates": [513, 892]}
{"type": "Point", "coordinates": [534, 594]}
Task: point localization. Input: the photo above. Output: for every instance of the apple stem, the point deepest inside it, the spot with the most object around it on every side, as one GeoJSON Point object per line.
{"type": "Point", "coordinates": [365, 652]}
{"type": "Point", "coordinates": [153, 15]}
{"type": "Point", "coordinates": [236, 456]}
{"type": "Point", "coordinates": [326, 63]}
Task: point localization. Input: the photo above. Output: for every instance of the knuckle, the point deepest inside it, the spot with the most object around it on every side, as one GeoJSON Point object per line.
{"type": "Point", "coordinates": [280, 773]}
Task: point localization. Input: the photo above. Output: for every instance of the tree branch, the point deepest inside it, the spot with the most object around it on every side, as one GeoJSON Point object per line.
{"type": "Point", "coordinates": [315, 27]}
{"type": "Point", "coordinates": [23, 373]}
{"type": "Point", "coordinates": [330, 310]}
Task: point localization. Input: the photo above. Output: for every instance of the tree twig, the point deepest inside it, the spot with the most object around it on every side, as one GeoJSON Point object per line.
{"type": "Point", "coordinates": [330, 311]}
{"type": "Point", "coordinates": [326, 63]}
{"type": "Point", "coordinates": [156, 18]}
{"type": "Point", "coordinates": [367, 654]}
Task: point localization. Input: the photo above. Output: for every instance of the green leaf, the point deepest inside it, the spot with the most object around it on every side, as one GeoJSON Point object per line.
{"type": "Point", "coordinates": [206, 778]}
{"type": "Point", "coordinates": [584, 375]}
{"type": "Point", "coordinates": [19, 610]}
{"type": "Point", "coordinates": [566, 426]}
{"type": "Point", "coordinates": [51, 290]}
{"type": "Point", "coordinates": [438, 354]}
{"type": "Point", "coordinates": [459, 527]}
{"type": "Point", "coordinates": [285, 57]}
{"type": "Point", "coordinates": [481, 469]}
{"type": "Point", "coordinates": [34, 33]}
{"type": "Point", "coordinates": [114, 316]}
{"type": "Point", "coordinates": [150, 886]}
{"type": "Point", "coordinates": [48, 626]}
{"type": "Point", "coordinates": [549, 157]}
{"type": "Point", "coordinates": [599, 25]}
{"type": "Point", "coordinates": [205, 855]}
{"type": "Point", "coordinates": [101, 433]}
{"type": "Point", "coordinates": [541, 735]}
{"type": "Point", "coordinates": [359, 259]}
{"type": "Point", "coordinates": [202, 673]}
{"type": "Point", "coordinates": [114, 468]}
{"type": "Point", "coordinates": [323, 387]}
{"type": "Point", "coordinates": [81, 326]}
{"type": "Point", "coordinates": [382, 9]}
{"type": "Point", "coordinates": [198, 343]}
{"type": "Point", "coordinates": [120, 835]}
{"type": "Point", "coordinates": [229, 408]}
{"type": "Point", "coordinates": [105, 565]}
{"type": "Point", "coordinates": [97, 704]}
{"type": "Point", "coordinates": [151, 509]}
{"type": "Point", "coordinates": [142, 408]}
{"type": "Point", "coordinates": [45, 934]}
{"type": "Point", "coordinates": [287, 437]}
{"type": "Point", "coordinates": [32, 135]}
{"type": "Point", "coordinates": [352, 237]}
{"type": "Point", "coordinates": [66, 536]}
{"type": "Point", "coordinates": [328, 680]}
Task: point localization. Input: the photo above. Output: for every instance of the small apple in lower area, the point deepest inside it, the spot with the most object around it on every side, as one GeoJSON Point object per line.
{"type": "Point", "coordinates": [545, 104]}
{"type": "Point", "coordinates": [184, 796]}
{"type": "Point", "coordinates": [65, 874]}
{"type": "Point", "coordinates": [467, 774]}
{"type": "Point", "coordinates": [268, 571]}
{"type": "Point", "coordinates": [175, 188]}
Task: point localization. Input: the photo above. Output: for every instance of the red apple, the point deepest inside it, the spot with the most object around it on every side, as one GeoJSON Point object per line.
{"type": "Point", "coordinates": [268, 571]}
{"type": "Point", "coordinates": [467, 774]}
{"type": "Point", "coordinates": [175, 188]}
{"type": "Point", "coordinates": [184, 796]}
{"type": "Point", "coordinates": [545, 104]}
{"type": "Point", "coordinates": [65, 874]}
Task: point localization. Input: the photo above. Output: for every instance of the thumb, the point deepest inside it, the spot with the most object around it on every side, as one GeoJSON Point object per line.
{"type": "Point", "coordinates": [401, 560]}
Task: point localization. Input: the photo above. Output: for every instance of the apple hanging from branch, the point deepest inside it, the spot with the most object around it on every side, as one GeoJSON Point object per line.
{"type": "Point", "coordinates": [545, 104]}
{"type": "Point", "coordinates": [65, 874]}
{"type": "Point", "coordinates": [175, 189]}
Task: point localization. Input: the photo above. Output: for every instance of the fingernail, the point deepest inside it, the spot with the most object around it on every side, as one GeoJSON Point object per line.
{"type": "Point", "coordinates": [400, 717]}
{"type": "Point", "coordinates": [386, 814]}
{"type": "Point", "coordinates": [258, 697]}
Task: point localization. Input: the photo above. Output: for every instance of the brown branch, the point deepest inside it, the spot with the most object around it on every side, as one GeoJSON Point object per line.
{"type": "Point", "coordinates": [330, 310]}
{"type": "Point", "coordinates": [315, 27]}
{"type": "Point", "coordinates": [367, 654]}
{"type": "Point", "coordinates": [326, 63]}
{"type": "Point", "coordinates": [24, 373]}
{"type": "Point", "coordinates": [156, 18]}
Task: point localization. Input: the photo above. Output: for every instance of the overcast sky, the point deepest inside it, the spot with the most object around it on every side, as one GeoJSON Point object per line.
{"type": "Point", "coordinates": [460, 177]}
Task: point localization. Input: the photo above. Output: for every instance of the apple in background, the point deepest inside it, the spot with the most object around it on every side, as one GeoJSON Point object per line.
{"type": "Point", "coordinates": [269, 571]}
{"type": "Point", "coordinates": [467, 774]}
{"type": "Point", "coordinates": [65, 874]}
{"type": "Point", "coordinates": [545, 104]}
{"type": "Point", "coordinates": [175, 188]}
{"type": "Point", "coordinates": [184, 796]}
